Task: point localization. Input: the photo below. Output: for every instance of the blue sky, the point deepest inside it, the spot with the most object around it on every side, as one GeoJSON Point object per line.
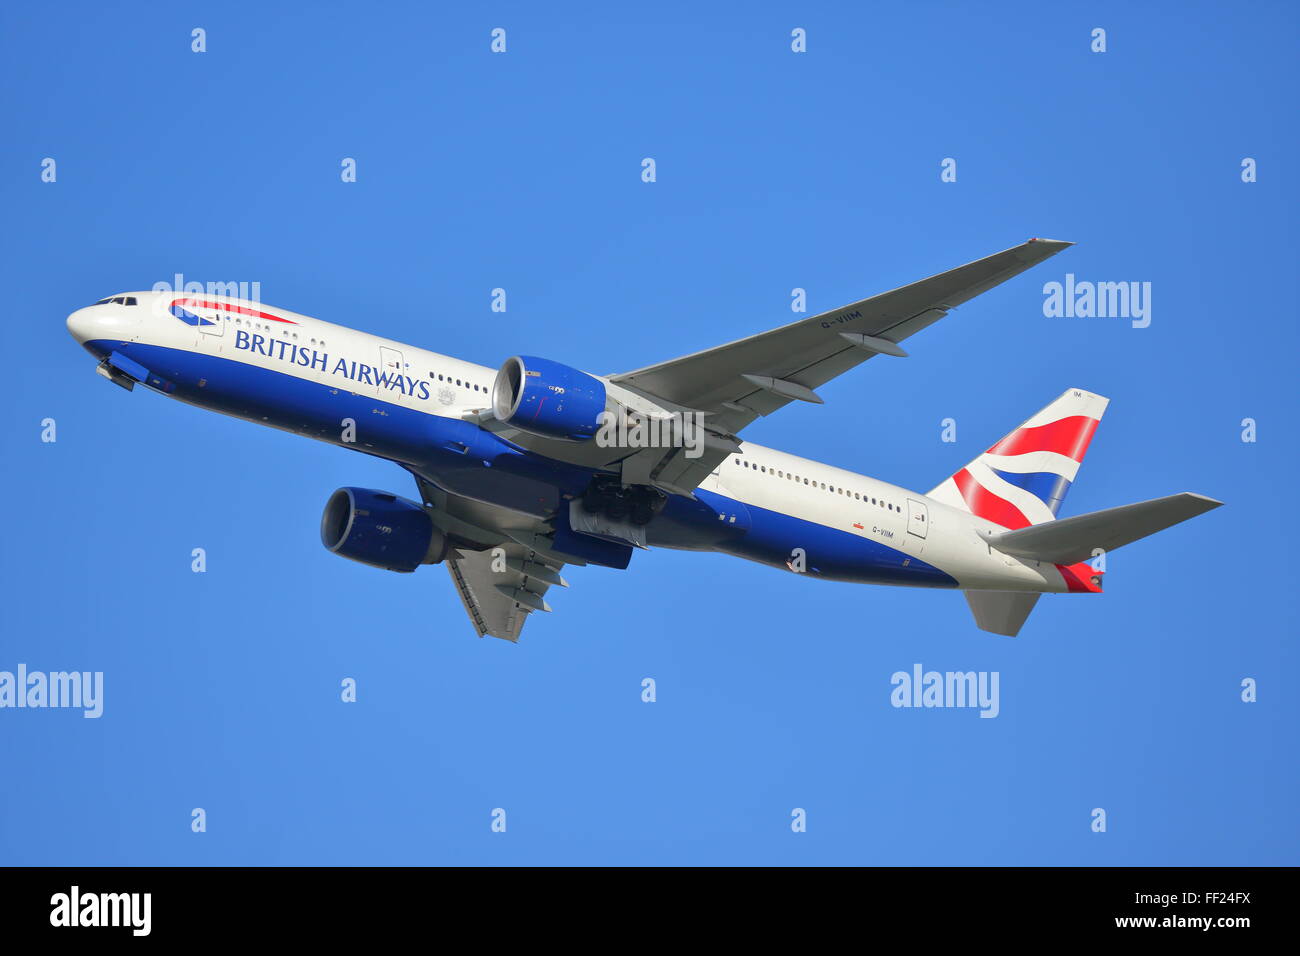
{"type": "Point", "coordinates": [776, 170]}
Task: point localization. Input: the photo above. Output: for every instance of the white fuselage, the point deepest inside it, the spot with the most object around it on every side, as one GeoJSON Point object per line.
{"type": "Point", "coordinates": [345, 362]}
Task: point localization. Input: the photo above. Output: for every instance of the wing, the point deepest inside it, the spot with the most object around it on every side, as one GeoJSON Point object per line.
{"type": "Point", "coordinates": [501, 587]}
{"type": "Point", "coordinates": [499, 563]}
{"type": "Point", "coordinates": [743, 380]}
{"type": "Point", "coordinates": [734, 384]}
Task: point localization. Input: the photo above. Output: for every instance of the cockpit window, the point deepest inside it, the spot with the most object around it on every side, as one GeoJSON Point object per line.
{"type": "Point", "coordinates": [117, 300]}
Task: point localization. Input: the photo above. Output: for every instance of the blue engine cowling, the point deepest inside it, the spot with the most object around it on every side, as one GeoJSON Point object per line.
{"type": "Point", "coordinates": [380, 529]}
{"type": "Point", "coordinates": [547, 398]}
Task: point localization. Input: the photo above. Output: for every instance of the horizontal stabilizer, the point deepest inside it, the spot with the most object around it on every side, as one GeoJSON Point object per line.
{"type": "Point", "coordinates": [1071, 540]}
{"type": "Point", "coordinates": [1001, 612]}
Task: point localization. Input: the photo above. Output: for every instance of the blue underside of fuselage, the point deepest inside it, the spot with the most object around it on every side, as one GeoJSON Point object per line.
{"type": "Point", "coordinates": [466, 460]}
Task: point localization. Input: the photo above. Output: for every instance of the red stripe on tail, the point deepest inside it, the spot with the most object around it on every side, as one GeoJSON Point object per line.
{"type": "Point", "coordinates": [1068, 437]}
{"type": "Point", "coordinates": [985, 504]}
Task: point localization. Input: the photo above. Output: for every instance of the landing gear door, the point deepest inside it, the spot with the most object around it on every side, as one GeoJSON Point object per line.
{"type": "Point", "coordinates": [918, 517]}
{"type": "Point", "coordinates": [392, 371]}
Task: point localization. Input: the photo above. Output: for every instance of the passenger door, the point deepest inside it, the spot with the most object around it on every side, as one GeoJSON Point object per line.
{"type": "Point", "coordinates": [918, 517]}
{"type": "Point", "coordinates": [392, 369]}
{"type": "Point", "coordinates": [212, 322]}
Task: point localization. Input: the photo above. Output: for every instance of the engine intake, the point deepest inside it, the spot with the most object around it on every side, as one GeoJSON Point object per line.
{"type": "Point", "coordinates": [549, 399]}
{"type": "Point", "coordinates": [381, 530]}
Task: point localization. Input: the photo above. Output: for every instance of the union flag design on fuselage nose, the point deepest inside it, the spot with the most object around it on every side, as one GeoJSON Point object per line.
{"type": "Point", "coordinates": [1023, 479]}
{"type": "Point", "coordinates": [178, 309]}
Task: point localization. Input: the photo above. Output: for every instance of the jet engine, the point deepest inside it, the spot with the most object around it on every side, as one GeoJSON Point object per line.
{"type": "Point", "coordinates": [381, 530]}
{"type": "Point", "coordinates": [548, 399]}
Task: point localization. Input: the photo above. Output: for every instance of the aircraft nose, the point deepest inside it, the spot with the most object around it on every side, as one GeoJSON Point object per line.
{"type": "Point", "coordinates": [82, 325]}
{"type": "Point", "coordinates": [103, 326]}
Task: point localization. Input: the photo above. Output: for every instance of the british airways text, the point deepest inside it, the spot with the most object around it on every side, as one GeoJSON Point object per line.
{"type": "Point", "coordinates": [294, 354]}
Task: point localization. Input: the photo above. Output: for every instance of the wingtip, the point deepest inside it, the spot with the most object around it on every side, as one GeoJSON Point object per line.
{"type": "Point", "coordinates": [1033, 251]}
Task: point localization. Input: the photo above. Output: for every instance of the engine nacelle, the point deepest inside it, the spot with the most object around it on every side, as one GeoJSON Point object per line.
{"type": "Point", "coordinates": [380, 529]}
{"type": "Point", "coordinates": [547, 398]}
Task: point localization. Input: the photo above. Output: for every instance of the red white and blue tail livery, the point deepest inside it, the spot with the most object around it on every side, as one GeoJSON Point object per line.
{"type": "Point", "coordinates": [1023, 479]}
{"type": "Point", "coordinates": [522, 470]}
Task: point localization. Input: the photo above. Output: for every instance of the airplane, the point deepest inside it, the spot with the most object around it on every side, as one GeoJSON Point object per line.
{"type": "Point", "coordinates": [538, 465]}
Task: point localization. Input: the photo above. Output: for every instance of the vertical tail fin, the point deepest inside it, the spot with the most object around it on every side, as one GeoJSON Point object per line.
{"type": "Point", "coordinates": [1023, 479]}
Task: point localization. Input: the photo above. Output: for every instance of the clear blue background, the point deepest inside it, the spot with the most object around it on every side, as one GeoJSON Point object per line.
{"type": "Point", "coordinates": [775, 171]}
